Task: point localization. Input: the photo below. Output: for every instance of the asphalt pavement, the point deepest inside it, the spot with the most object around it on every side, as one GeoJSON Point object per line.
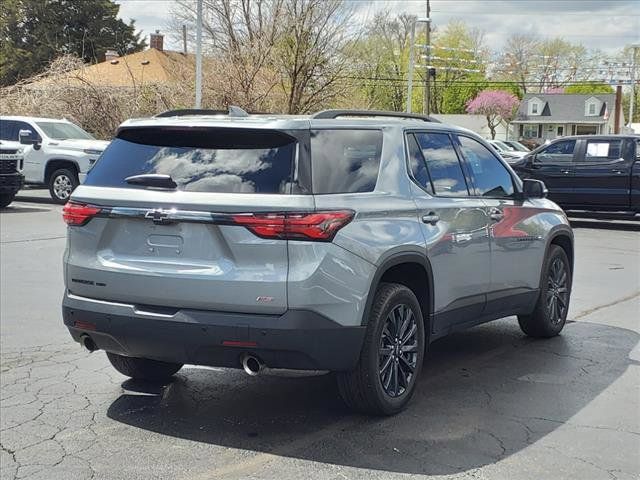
{"type": "Point", "coordinates": [491, 403]}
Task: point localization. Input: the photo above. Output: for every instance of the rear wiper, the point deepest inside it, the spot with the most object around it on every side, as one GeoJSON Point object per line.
{"type": "Point", "coordinates": [152, 180]}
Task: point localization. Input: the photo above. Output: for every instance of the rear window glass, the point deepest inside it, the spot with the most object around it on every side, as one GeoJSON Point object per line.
{"type": "Point", "coordinates": [345, 161]}
{"type": "Point", "coordinates": [200, 160]}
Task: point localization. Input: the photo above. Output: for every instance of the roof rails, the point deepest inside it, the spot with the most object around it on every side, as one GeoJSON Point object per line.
{"type": "Point", "coordinates": [185, 112]}
{"type": "Point", "coordinates": [332, 114]}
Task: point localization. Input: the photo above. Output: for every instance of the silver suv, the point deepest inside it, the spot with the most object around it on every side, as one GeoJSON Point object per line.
{"type": "Point", "coordinates": [332, 242]}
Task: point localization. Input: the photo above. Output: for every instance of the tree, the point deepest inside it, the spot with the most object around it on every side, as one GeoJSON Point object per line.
{"type": "Point", "coordinates": [589, 88]}
{"type": "Point", "coordinates": [496, 105]}
{"type": "Point", "coordinates": [35, 32]}
{"type": "Point", "coordinates": [382, 59]}
{"type": "Point", "coordinates": [459, 59]}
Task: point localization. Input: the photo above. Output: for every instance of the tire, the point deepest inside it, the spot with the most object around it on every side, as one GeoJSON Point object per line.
{"type": "Point", "coordinates": [61, 183]}
{"type": "Point", "coordinates": [363, 389]}
{"type": "Point", "coordinates": [143, 368]}
{"type": "Point", "coordinates": [550, 313]}
{"type": "Point", "coordinates": [6, 199]}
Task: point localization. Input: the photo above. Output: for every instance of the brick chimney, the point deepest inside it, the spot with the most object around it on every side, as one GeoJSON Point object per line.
{"type": "Point", "coordinates": [156, 40]}
{"type": "Point", "coordinates": [111, 55]}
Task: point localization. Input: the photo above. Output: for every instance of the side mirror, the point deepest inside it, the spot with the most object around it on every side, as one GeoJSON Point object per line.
{"type": "Point", "coordinates": [27, 137]}
{"type": "Point", "coordinates": [533, 188]}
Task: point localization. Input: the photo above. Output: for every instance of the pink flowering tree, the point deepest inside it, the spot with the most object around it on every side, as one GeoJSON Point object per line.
{"type": "Point", "coordinates": [496, 105]}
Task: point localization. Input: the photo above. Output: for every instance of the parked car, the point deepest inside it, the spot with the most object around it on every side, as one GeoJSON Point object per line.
{"type": "Point", "coordinates": [506, 152]}
{"type": "Point", "coordinates": [332, 242]}
{"type": "Point", "coordinates": [11, 178]}
{"type": "Point", "coordinates": [516, 146]}
{"type": "Point", "coordinates": [588, 172]}
{"type": "Point", "coordinates": [61, 155]}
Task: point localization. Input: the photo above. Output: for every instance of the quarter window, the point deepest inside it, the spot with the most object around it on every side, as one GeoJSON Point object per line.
{"type": "Point", "coordinates": [490, 176]}
{"type": "Point", "coordinates": [443, 165]}
{"type": "Point", "coordinates": [417, 165]}
{"type": "Point", "coordinates": [345, 161]}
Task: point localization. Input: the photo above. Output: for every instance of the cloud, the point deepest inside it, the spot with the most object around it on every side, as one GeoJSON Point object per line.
{"type": "Point", "coordinates": [606, 25]}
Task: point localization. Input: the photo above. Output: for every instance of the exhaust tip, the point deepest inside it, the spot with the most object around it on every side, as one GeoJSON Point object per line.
{"type": "Point", "coordinates": [87, 342]}
{"type": "Point", "coordinates": [252, 365]}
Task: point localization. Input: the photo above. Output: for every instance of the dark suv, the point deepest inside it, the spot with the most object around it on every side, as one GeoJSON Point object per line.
{"type": "Point", "coordinates": [332, 242]}
{"type": "Point", "coordinates": [589, 172]}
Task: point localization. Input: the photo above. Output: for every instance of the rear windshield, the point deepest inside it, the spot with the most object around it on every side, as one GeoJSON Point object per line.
{"type": "Point", "coordinates": [200, 160]}
{"type": "Point", "coordinates": [345, 161]}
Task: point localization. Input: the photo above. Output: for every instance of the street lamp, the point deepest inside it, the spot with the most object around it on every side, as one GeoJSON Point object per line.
{"type": "Point", "coordinates": [412, 42]}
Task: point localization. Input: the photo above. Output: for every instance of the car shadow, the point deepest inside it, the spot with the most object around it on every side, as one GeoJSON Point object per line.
{"type": "Point", "coordinates": [21, 197]}
{"type": "Point", "coordinates": [627, 225]}
{"type": "Point", "coordinates": [13, 209]}
{"type": "Point", "coordinates": [484, 395]}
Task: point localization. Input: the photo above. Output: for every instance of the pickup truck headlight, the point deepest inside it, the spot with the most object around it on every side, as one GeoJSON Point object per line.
{"type": "Point", "coordinates": [93, 152]}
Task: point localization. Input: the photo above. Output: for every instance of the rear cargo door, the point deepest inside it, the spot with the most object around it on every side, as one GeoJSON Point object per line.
{"type": "Point", "coordinates": [161, 247]}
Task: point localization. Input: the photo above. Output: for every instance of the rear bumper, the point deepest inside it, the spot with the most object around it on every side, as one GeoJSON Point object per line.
{"type": "Point", "coordinates": [298, 339]}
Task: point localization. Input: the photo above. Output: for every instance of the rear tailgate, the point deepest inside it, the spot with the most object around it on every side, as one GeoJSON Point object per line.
{"type": "Point", "coordinates": [179, 248]}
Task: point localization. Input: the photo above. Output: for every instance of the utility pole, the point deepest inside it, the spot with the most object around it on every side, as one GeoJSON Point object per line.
{"type": "Point", "coordinates": [412, 47]}
{"type": "Point", "coordinates": [199, 55]}
{"type": "Point", "coordinates": [427, 72]}
{"type": "Point", "coordinates": [634, 63]}
{"type": "Point", "coordinates": [412, 41]}
{"type": "Point", "coordinates": [618, 110]}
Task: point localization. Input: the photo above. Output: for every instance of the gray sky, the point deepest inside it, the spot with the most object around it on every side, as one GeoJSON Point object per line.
{"type": "Point", "coordinates": [605, 24]}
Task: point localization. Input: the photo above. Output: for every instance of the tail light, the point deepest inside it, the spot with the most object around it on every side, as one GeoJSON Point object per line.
{"type": "Point", "coordinates": [78, 214]}
{"type": "Point", "coordinates": [316, 226]}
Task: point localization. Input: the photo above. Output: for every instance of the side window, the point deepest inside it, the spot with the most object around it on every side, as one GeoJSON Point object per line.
{"type": "Point", "coordinates": [637, 149]}
{"type": "Point", "coordinates": [490, 176]}
{"type": "Point", "coordinates": [603, 150]}
{"type": "Point", "coordinates": [417, 166]}
{"type": "Point", "coordinates": [443, 165]}
{"type": "Point", "coordinates": [8, 131]}
{"type": "Point", "coordinates": [25, 126]}
{"type": "Point", "coordinates": [558, 152]}
{"type": "Point", "coordinates": [345, 161]}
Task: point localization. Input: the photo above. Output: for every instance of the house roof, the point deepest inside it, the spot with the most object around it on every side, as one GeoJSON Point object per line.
{"type": "Point", "coordinates": [142, 68]}
{"type": "Point", "coordinates": [565, 108]}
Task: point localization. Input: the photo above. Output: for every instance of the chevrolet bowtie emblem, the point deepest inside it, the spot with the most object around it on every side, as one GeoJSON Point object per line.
{"type": "Point", "coordinates": [159, 216]}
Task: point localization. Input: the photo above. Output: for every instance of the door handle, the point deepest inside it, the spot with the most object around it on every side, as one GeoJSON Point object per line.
{"type": "Point", "coordinates": [431, 218]}
{"type": "Point", "coordinates": [617, 171]}
{"type": "Point", "coordinates": [496, 214]}
{"type": "Point", "coordinates": [566, 172]}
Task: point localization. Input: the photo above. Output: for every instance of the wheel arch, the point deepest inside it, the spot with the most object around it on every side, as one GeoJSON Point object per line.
{"type": "Point", "coordinates": [57, 163]}
{"type": "Point", "coordinates": [412, 270]}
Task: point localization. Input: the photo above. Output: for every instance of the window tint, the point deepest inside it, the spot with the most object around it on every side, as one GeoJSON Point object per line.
{"type": "Point", "coordinates": [603, 150]}
{"type": "Point", "coordinates": [345, 161]}
{"type": "Point", "coordinates": [490, 176]}
{"type": "Point", "coordinates": [443, 164]}
{"type": "Point", "coordinates": [417, 166]}
{"type": "Point", "coordinates": [561, 151]}
{"type": "Point", "coordinates": [7, 128]}
{"type": "Point", "coordinates": [205, 160]}
{"type": "Point", "coordinates": [10, 130]}
{"type": "Point", "coordinates": [638, 149]}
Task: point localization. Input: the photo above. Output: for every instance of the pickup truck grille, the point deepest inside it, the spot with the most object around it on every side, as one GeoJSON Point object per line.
{"type": "Point", "coordinates": [11, 181]}
{"type": "Point", "coordinates": [8, 152]}
{"type": "Point", "coordinates": [8, 166]}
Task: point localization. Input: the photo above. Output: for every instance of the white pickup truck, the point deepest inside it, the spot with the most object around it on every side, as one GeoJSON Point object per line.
{"type": "Point", "coordinates": [11, 178]}
{"type": "Point", "coordinates": [57, 152]}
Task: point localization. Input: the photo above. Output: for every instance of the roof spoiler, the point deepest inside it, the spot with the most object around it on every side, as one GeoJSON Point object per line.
{"type": "Point", "coordinates": [333, 114]}
{"type": "Point", "coordinates": [185, 112]}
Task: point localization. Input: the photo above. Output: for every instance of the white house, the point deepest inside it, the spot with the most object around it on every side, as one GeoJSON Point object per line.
{"type": "Point", "coordinates": [542, 117]}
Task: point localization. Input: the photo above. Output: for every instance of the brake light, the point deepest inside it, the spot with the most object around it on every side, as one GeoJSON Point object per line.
{"type": "Point", "coordinates": [317, 226]}
{"type": "Point", "coordinates": [78, 214]}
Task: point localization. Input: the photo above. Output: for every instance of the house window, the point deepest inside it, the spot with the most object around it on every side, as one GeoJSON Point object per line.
{"type": "Point", "coordinates": [592, 109]}
{"type": "Point", "coordinates": [534, 108]}
{"type": "Point", "coordinates": [530, 131]}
